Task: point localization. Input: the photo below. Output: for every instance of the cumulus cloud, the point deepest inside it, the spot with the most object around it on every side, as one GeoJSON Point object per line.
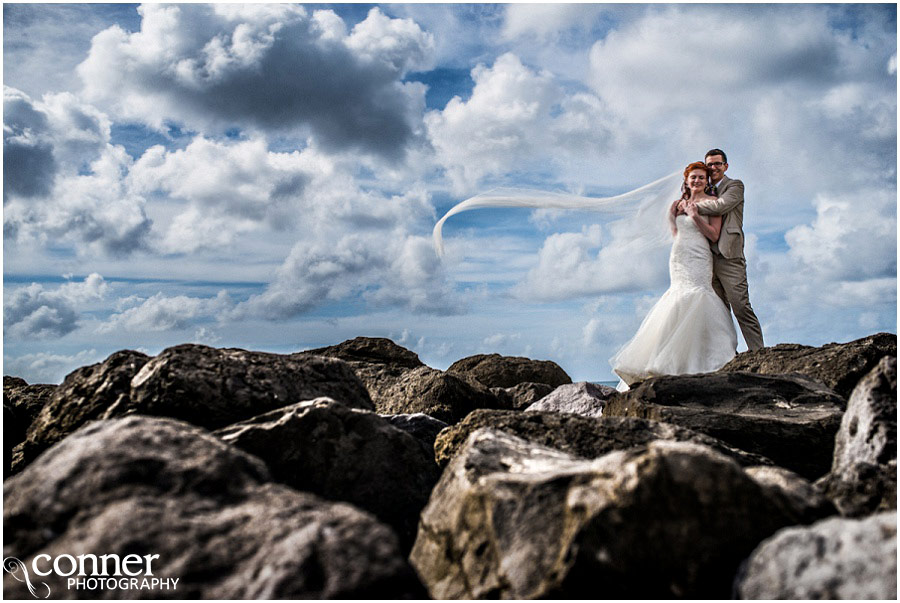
{"type": "Point", "coordinates": [64, 180]}
{"type": "Point", "coordinates": [167, 313]}
{"type": "Point", "coordinates": [269, 67]}
{"type": "Point", "coordinates": [47, 367]}
{"type": "Point", "coordinates": [545, 21]}
{"type": "Point", "coordinates": [516, 119]}
{"type": "Point", "coordinates": [36, 312]}
{"type": "Point", "coordinates": [386, 270]}
{"type": "Point", "coordinates": [851, 239]}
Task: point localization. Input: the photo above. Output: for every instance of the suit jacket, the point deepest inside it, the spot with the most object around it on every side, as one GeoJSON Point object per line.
{"type": "Point", "coordinates": [729, 205]}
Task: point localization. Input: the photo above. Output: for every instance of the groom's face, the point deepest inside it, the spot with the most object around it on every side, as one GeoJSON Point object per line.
{"type": "Point", "coordinates": [716, 163]}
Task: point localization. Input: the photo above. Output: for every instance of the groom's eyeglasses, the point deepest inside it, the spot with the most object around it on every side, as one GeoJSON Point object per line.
{"type": "Point", "coordinates": [715, 163]}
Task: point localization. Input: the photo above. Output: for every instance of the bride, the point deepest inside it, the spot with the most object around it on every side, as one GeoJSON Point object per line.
{"type": "Point", "coordinates": [689, 330]}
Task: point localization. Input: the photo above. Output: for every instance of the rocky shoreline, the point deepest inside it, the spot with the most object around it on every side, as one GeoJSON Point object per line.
{"type": "Point", "coordinates": [356, 471]}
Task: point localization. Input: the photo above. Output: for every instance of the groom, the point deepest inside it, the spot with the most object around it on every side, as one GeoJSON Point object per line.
{"type": "Point", "coordinates": [729, 266]}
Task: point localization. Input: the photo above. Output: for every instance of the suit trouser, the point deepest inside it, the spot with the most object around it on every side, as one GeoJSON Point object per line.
{"type": "Point", "coordinates": [730, 282]}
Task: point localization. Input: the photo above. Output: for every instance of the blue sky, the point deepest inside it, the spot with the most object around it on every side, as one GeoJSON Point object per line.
{"type": "Point", "coordinates": [267, 176]}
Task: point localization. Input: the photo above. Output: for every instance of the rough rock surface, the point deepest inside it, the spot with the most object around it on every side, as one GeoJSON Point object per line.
{"type": "Point", "coordinates": [346, 454]}
{"type": "Point", "coordinates": [788, 418]}
{"type": "Point", "coordinates": [378, 362]}
{"type": "Point", "coordinates": [840, 366]}
{"type": "Point", "coordinates": [214, 387]}
{"type": "Point", "coordinates": [446, 396]}
{"type": "Point", "coordinates": [494, 370]}
{"type": "Point", "coordinates": [145, 485]}
{"type": "Point", "coordinates": [419, 425]}
{"type": "Point", "coordinates": [798, 498]}
{"type": "Point", "coordinates": [836, 558]}
{"type": "Point", "coordinates": [21, 404]}
{"type": "Point", "coordinates": [582, 437]}
{"type": "Point", "coordinates": [511, 519]}
{"type": "Point", "coordinates": [91, 392]}
{"type": "Point", "coordinates": [582, 398]}
{"type": "Point", "coordinates": [863, 476]}
{"type": "Point", "coordinates": [521, 396]}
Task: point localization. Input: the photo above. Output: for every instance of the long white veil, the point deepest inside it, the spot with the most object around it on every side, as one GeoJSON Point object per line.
{"type": "Point", "coordinates": [642, 222]}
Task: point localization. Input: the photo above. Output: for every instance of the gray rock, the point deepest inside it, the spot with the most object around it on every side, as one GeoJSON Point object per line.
{"type": "Point", "coordinates": [521, 396]}
{"type": "Point", "coordinates": [583, 437]}
{"type": "Point", "coordinates": [21, 405]}
{"type": "Point", "coordinates": [420, 426]}
{"type": "Point", "coordinates": [839, 366]}
{"type": "Point", "coordinates": [91, 392]}
{"type": "Point", "coordinates": [513, 519]}
{"type": "Point", "coordinates": [494, 370]}
{"type": "Point", "coordinates": [213, 387]}
{"type": "Point", "coordinates": [344, 454]}
{"type": "Point", "coordinates": [798, 498]}
{"type": "Point", "coordinates": [445, 396]}
{"type": "Point", "coordinates": [144, 485]}
{"type": "Point", "coordinates": [378, 362]}
{"type": "Point", "coordinates": [582, 398]}
{"type": "Point", "coordinates": [787, 418]}
{"type": "Point", "coordinates": [863, 476]}
{"type": "Point", "coordinates": [834, 559]}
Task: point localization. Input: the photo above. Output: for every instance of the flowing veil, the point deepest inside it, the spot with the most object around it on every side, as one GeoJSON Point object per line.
{"type": "Point", "coordinates": [641, 224]}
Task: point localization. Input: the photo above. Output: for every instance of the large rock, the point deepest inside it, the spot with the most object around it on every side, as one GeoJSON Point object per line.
{"type": "Point", "coordinates": [346, 454]}
{"type": "Point", "coordinates": [150, 486]}
{"type": "Point", "coordinates": [91, 392]}
{"type": "Point", "coordinates": [494, 370]}
{"type": "Point", "coordinates": [446, 396]}
{"type": "Point", "coordinates": [513, 519]}
{"type": "Point", "coordinates": [787, 418]}
{"type": "Point", "coordinates": [582, 437]}
{"type": "Point", "coordinates": [798, 498]}
{"type": "Point", "coordinates": [863, 476]}
{"type": "Point", "coordinates": [582, 398]}
{"type": "Point", "coordinates": [420, 426]}
{"type": "Point", "coordinates": [834, 559]}
{"type": "Point", "coordinates": [840, 366]}
{"type": "Point", "coordinates": [378, 362]}
{"type": "Point", "coordinates": [21, 405]}
{"type": "Point", "coordinates": [521, 396]}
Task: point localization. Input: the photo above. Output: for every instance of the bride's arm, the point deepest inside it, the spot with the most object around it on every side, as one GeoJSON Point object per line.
{"type": "Point", "coordinates": [673, 212]}
{"type": "Point", "coordinates": [709, 229]}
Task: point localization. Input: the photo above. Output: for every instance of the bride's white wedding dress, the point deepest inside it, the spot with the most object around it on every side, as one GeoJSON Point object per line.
{"type": "Point", "coordinates": [689, 330]}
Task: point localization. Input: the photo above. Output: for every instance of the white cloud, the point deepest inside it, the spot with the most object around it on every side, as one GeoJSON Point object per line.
{"type": "Point", "coordinates": [167, 313]}
{"type": "Point", "coordinates": [547, 21]}
{"type": "Point", "coordinates": [517, 119]}
{"type": "Point", "coordinates": [215, 66]}
{"type": "Point", "coordinates": [36, 312]}
{"type": "Point", "coordinates": [46, 367]}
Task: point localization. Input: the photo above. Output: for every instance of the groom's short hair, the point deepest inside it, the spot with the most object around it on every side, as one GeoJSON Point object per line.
{"type": "Point", "coordinates": [717, 152]}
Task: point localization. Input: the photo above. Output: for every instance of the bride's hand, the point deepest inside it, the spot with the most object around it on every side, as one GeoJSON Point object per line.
{"type": "Point", "coordinates": [691, 209]}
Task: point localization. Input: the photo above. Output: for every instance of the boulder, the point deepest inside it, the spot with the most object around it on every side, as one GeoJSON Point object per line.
{"type": "Point", "coordinates": [494, 370]}
{"type": "Point", "coordinates": [151, 486]}
{"type": "Point", "coordinates": [420, 426]}
{"type": "Point", "coordinates": [840, 366]}
{"type": "Point", "coordinates": [789, 419]}
{"type": "Point", "coordinates": [344, 454]}
{"type": "Point", "coordinates": [513, 519]}
{"type": "Point", "coordinates": [21, 404]}
{"type": "Point", "coordinates": [863, 477]}
{"type": "Point", "coordinates": [582, 398]}
{"type": "Point", "coordinates": [521, 396]}
{"type": "Point", "coordinates": [579, 436]}
{"type": "Point", "coordinates": [798, 498]}
{"type": "Point", "coordinates": [378, 362]}
{"type": "Point", "coordinates": [836, 558]}
{"type": "Point", "coordinates": [91, 392]}
{"type": "Point", "coordinates": [445, 396]}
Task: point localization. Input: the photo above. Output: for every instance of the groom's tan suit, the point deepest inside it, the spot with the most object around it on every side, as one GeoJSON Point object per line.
{"type": "Point", "coordinates": [729, 265]}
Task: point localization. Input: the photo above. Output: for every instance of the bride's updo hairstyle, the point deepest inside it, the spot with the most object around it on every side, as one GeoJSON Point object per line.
{"type": "Point", "coordinates": [697, 165]}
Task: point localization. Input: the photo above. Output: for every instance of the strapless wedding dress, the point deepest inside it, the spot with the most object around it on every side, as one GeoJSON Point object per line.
{"type": "Point", "coordinates": [689, 330]}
